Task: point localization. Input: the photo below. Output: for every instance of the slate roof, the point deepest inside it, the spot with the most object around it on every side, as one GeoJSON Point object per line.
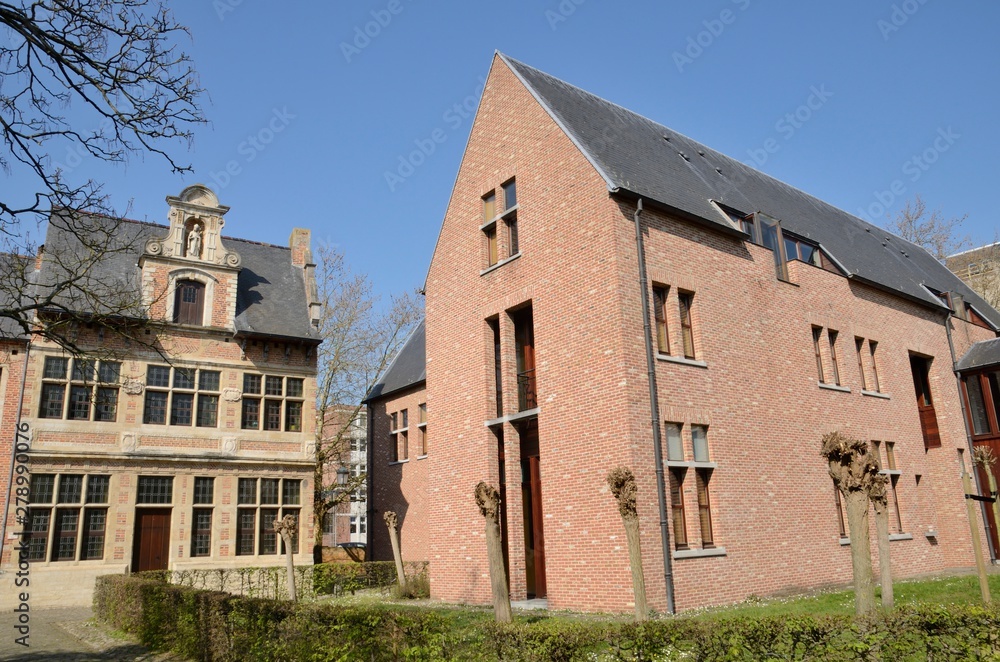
{"type": "Point", "coordinates": [639, 156]}
{"type": "Point", "coordinates": [13, 270]}
{"type": "Point", "coordinates": [980, 355]}
{"type": "Point", "coordinates": [271, 292]}
{"type": "Point", "coordinates": [408, 368]}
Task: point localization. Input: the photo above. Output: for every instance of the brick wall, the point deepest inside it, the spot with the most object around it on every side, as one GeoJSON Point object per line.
{"type": "Point", "coordinates": [772, 500]}
{"type": "Point", "coordinates": [399, 485]}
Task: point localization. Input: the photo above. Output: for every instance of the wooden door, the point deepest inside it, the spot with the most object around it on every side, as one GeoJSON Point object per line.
{"type": "Point", "coordinates": [531, 495]}
{"type": "Point", "coordinates": [189, 302]}
{"type": "Point", "coordinates": [151, 544]}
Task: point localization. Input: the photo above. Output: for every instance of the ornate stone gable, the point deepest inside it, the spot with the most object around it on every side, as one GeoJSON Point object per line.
{"type": "Point", "coordinates": [196, 222]}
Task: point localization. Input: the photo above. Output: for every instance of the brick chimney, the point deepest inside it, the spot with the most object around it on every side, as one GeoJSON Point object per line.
{"type": "Point", "coordinates": [299, 243]}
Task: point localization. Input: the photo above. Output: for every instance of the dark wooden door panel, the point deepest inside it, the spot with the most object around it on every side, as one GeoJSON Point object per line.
{"type": "Point", "coordinates": [151, 545]}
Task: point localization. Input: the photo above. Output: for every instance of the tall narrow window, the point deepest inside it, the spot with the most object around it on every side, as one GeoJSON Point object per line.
{"type": "Point", "coordinates": [685, 301]}
{"type": "Point", "coordinates": [817, 334]}
{"type": "Point", "coordinates": [704, 507]}
{"type": "Point", "coordinates": [920, 367]}
{"type": "Point", "coordinates": [840, 511]}
{"type": "Point", "coordinates": [524, 336]}
{"type": "Point", "coordinates": [490, 229]}
{"type": "Point", "coordinates": [872, 345]}
{"type": "Point", "coordinates": [859, 345]}
{"type": "Point", "coordinates": [677, 508]}
{"type": "Point", "coordinates": [675, 447]}
{"type": "Point", "coordinates": [422, 428]}
{"type": "Point", "coordinates": [497, 372]}
{"type": "Point", "coordinates": [189, 302]}
{"type": "Point", "coordinates": [201, 517]}
{"type": "Point", "coordinates": [893, 480]}
{"type": "Point", "coordinates": [394, 437]}
{"type": "Point", "coordinates": [660, 314]}
{"type": "Point", "coordinates": [834, 371]}
{"type": "Point", "coordinates": [510, 215]}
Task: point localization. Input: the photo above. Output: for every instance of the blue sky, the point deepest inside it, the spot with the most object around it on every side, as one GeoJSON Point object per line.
{"type": "Point", "coordinates": [863, 104]}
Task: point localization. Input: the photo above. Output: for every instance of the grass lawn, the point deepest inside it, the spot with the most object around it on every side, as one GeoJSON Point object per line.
{"type": "Point", "coordinates": [951, 589]}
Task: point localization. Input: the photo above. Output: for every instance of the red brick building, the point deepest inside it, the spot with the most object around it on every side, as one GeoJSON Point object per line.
{"type": "Point", "coordinates": [175, 446]}
{"type": "Point", "coordinates": [773, 319]}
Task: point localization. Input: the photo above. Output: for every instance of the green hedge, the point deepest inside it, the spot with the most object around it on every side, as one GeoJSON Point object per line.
{"type": "Point", "coordinates": [272, 582]}
{"type": "Point", "coordinates": [207, 625]}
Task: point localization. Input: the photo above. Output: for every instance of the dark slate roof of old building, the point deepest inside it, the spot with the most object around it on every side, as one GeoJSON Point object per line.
{"type": "Point", "coordinates": [980, 355]}
{"type": "Point", "coordinates": [271, 292]}
{"type": "Point", "coordinates": [408, 368]}
{"type": "Point", "coordinates": [14, 272]}
{"type": "Point", "coordinates": [639, 156]}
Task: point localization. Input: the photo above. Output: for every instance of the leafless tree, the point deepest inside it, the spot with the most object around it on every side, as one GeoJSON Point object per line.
{"type": "Point", "coordinates": [359, 341]}
{"type": "Point", "coordinates": [488, 501]}
{"type": "Point", "coordinates": [930, 230]}
{"type": "Point", "coordinates": [853, 469]}
{"type": "Point", "coordinates": [81, 79]}
{"type": "Point", "coordinates": [621, 480]}
{"type": "Point", "coordinates": [286, 528]}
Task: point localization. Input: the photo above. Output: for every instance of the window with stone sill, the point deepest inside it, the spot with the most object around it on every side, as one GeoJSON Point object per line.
{"type": "Point", "coordinates": [181, 396]}
{"type": "Point", "coordinates": [201, 516]}
{"type": "Point", "coordinates": [493, 215]}
{"type": "Point", "coordinates": [91, 385]}
{"type": "Point", "coordinates": [67, 517]}
{"type": "Point", "coordinates": [702, 468]}
{"type": "Point", "coordinates": [272, 402]}
{"type": "Point", "coordinates": [259, 502]}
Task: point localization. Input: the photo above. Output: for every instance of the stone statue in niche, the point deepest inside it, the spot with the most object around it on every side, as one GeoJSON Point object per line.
{"type": "Point", "coordinates": [194, 241]}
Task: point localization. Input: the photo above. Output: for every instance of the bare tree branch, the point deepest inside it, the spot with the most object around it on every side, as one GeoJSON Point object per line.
{"type": "Point", "coordinates": [98, 79]}
{"type": "Point", "coordinates": [932, 231]}
{"type": "Point", "coordinates": [359, 341]}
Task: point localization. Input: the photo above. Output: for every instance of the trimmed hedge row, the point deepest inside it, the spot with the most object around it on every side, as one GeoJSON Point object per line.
{"type": "Point", "coordinates": [272, 582]}
{"type": "Point", "coordinates": [206, 625]}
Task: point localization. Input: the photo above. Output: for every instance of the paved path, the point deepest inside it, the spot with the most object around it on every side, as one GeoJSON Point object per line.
{"type": "Point", "coordinates": [68, 635]}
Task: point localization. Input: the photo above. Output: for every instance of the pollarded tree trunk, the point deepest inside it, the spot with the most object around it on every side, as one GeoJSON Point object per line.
{"type": "Point", "coordinates": [854, 469]}
{"type": "Point", "coordinates": [391, 521]}
{"type": "Point", "coordinates": [880, 502]}
{"type": "Point", "coordinates": [488, 500]}
{"type": "Point", "coordinates": [622, 484]}
{"type": "Point", "coordinates": [284, 527]}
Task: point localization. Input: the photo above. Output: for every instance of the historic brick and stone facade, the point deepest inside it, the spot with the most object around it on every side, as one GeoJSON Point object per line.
{"type": "Point", "coordinates": [774, 319]}
{"type": "Point", "coordinates": [177, 447]}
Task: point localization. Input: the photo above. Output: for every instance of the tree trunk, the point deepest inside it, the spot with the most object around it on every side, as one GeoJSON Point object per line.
{"type": "Point", "coordinates": [635, 562]}
{"type": "Point", "coordinates": [498, 576]}
{"type": "Point", "coordinates": [884, 562]}
{"type": "Point", "coordinates": [861, 554]}
{"type": "Point", "coordinates": [289, 564]}
{"type": "Point", "coordinates": [390, 522]}
{"type": "Point", "coordinates": [488, 500]}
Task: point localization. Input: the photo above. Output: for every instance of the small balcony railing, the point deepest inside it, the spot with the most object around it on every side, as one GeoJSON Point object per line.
{"type": "Point", "coordinates": [526, 390]}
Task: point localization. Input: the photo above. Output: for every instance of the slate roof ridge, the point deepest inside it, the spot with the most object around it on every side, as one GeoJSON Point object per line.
{"type": "Point", "coordinates": [707, 148]}
{"type": "Point", "coordinates": [692, 179]}
{"type": "Point", "coordinates": [972, 250]}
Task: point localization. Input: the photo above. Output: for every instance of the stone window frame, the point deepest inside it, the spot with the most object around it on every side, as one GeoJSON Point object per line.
{"type": "Point", "coordinates": [103, 388]}
{"type": "Point", "coordinates": [263, 511]}
{"type": "Point", "coordinates": [198, 391]}
{"type": "Point", "coordinates": [197, 276]}
{"type": "Point", "coordinates": [262, 399]}
{"type": "Point", "coordinates": [53, 508]}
